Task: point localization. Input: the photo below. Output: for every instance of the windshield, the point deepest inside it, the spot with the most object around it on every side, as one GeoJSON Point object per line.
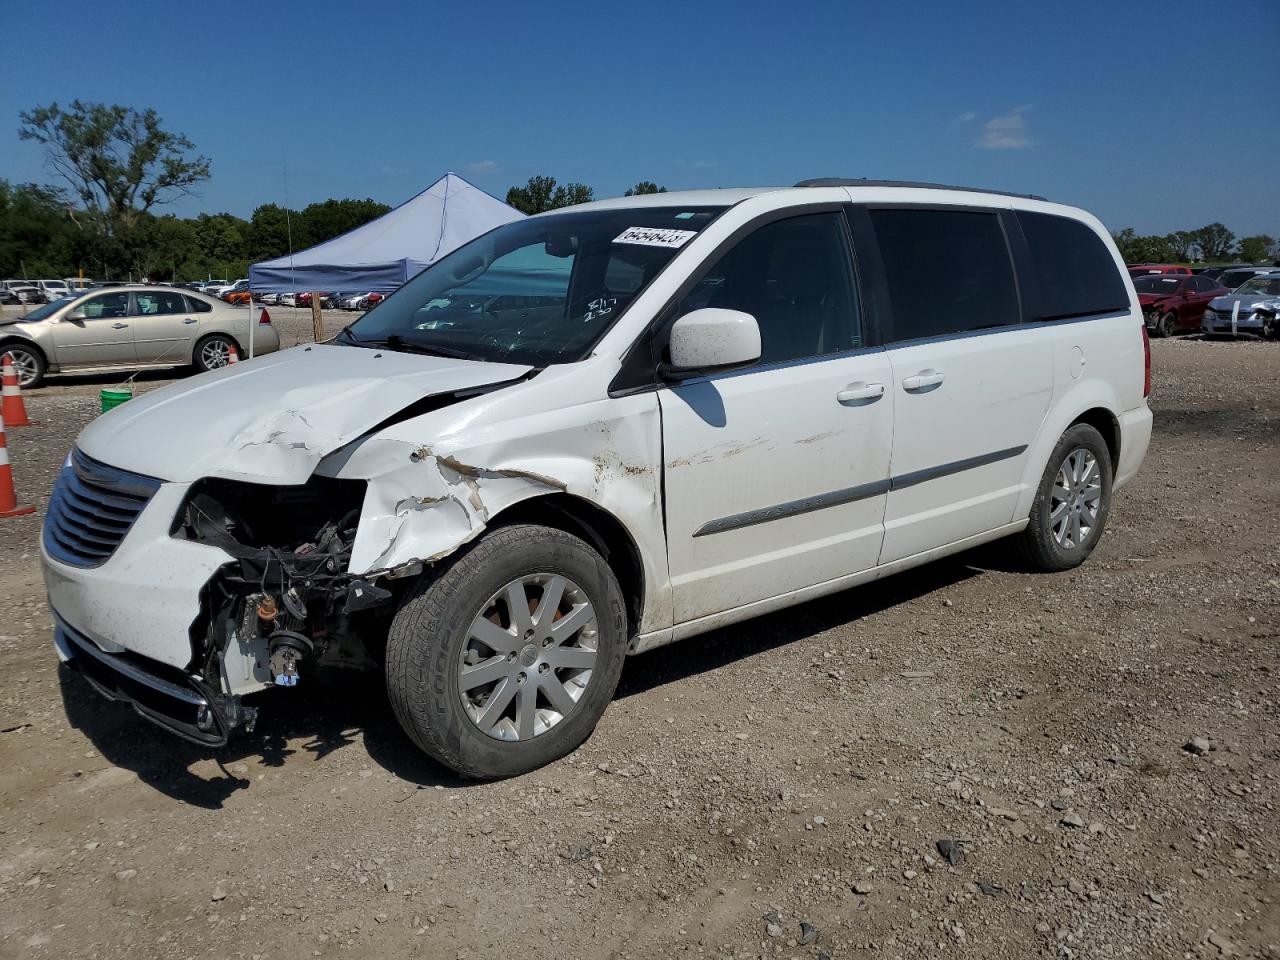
{"type": "Point", "coordinates": [1262, 287]}
{"type": "Point", "coordinates": [1233, 278]}
{"type": "Point", "coordinates": [1155, 284]}
{"type": "Point", "coordinates": [50, 308]}
{"type": "Point", "coordinates": [536, 291]}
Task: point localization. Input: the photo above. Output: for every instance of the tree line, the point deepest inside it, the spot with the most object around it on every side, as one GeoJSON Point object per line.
{"type": "Point", "coordinates": [1212, 243]}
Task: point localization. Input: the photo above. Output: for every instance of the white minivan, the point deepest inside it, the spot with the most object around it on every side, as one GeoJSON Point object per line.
{"type": "Point", "coordinates": [596, 431]}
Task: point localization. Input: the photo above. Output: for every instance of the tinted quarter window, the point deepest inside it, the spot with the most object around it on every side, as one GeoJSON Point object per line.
{"type": "Point", "coordinates": [796, 278]}
{"type": "Point", "coordinates": [1076, 273]}
{"type": "Point", "coordinates": [199, 306]}
{"type": "Point", "coordinates": [947, 271]}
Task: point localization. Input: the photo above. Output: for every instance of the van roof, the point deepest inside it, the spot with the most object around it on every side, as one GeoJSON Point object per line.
{"type": "Point", "coordinates": [915, 184]}
{"type": "Point", "coordinates": [728, 197]}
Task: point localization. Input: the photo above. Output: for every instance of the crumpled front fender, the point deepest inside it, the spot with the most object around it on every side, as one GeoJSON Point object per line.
{"type": "Point", "coordinates": [425, 500]}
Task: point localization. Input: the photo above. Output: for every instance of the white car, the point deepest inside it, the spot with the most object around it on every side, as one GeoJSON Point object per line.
{"type": "Point", "coordinates": [596, 431]}
{"type": "Point", "coordinates": [354, 301]}
{"type": "Point", "coordinates": [53, 289]}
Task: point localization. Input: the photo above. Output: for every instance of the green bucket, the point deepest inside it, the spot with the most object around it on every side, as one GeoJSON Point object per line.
{"type": "Point", "coordinates": [113, 398]}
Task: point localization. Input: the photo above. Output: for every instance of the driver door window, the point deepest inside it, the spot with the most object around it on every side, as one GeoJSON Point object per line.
{"type": "Point", "coordinates": [108, 306]}
{"type": "Point", "coordinates": [796, 278]}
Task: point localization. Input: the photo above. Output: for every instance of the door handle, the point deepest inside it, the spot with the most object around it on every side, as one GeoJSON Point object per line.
{"type": "Point", "coordinates": [859, 391]}
{"type": "Point", "coordinates": [118, 326]}
{"type": "Point", "coordinates": [189, 320]}
{"type": "Point", "coordinates": [922, 380]}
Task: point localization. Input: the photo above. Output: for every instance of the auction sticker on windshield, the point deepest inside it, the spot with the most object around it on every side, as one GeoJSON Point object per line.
{"type": "Point", "coordinates": [655, 236]}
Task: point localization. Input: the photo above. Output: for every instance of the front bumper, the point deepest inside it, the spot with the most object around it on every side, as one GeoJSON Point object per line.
{"type": "Point", "coordinates": [158, 692]}
{"type": "Point", "coordinates": [144, 598]}
{"type": "Point", "coordinates": [1248, 323]}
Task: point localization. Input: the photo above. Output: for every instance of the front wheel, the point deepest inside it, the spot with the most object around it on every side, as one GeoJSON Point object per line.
{"type": "Point", "coordinates": [28, 363]}
{"type": "Point", "coordinates": [1168, 324]}
{"type": "Point", "coordinates": [506, 659]}
{"type": "Point", "coordinates": [1072, 502]}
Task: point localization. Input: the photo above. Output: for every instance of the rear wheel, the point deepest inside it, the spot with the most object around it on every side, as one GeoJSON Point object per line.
{"type": "Point", "coordinates": [506, 660]}
{"type": "Point", "coordinates": [1072, 502]}
{"type": "Point", "coordinates": [214, 351]}
{"type": "Point", "coordinates": [28, 362]}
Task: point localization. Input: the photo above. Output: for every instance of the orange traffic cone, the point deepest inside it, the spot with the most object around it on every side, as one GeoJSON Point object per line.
{"type": "Point", "coordinates": [9, 506]}
{"type": "Point", "coordinates": [233, 356]}
{"type": "Point", "coordinates": [14, 410]}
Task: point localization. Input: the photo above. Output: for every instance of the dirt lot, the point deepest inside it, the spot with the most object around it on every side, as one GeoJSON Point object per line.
{"type": "Point", "coordinates": [799, 769]}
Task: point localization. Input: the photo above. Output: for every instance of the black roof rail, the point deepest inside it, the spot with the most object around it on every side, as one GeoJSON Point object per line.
{"type": "Point", "coordinates": [863, 182]}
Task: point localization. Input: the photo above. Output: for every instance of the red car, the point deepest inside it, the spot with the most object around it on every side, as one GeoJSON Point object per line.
{"type": "Point", "coordinates": [1171, 302]}
{"type": "Point", "coordinates": [1143, 269]}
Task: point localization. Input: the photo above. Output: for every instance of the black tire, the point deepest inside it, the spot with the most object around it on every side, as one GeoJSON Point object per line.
{"type": "Point", "coordinates": [202, 357]}
{"type": "Point", "coordinates": [1037, 546]}
{"type": "Point", "coordinates": [429, 634]}
{"type": "Point", "coordinates": [1168, 324]}
{"type": "Point", "coordinates": [30, 363]}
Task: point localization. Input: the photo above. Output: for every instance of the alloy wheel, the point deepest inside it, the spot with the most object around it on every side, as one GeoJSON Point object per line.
{"type": "Point", "coordinates": [1075, 498]}
{"type": "Point", "coordinates": [528, 657]}
{"type": "Point", "coordinates": [26, 365]}
{"type": "Point", "coordinates": [214, 354]}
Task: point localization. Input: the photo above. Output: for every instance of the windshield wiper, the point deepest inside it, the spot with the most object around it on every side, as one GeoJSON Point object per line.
{"type": "Point", "coordinates": [400, 344]}
{"type": "Point", "coordinates": [397, 342]}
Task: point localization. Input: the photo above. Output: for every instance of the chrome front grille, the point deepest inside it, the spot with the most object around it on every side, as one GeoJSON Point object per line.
{"type": "Point", "coordinates": [92, 508]}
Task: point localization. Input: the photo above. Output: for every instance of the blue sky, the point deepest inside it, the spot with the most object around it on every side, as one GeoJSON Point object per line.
{"type": "Point", "coordinates": [1159, 115]}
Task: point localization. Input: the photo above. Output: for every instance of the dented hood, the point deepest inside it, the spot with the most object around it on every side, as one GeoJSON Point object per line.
{"type": "Point", "coordinates": [272, 419]}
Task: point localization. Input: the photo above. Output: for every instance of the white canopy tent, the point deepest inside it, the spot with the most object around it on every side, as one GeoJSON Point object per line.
{"type": "Point", "coordinates": [384, 253]}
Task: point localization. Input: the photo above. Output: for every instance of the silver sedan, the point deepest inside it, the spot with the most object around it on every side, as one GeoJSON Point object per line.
{"type": "Point", "coordinates": [132, 327]}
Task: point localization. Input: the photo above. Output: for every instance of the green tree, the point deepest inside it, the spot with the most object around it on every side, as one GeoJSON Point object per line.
{"type": "Point", "coordinates": [572, 194]}
{"type": "Point", "coordinates": [536, 196]}
{"type": "Point", "coordinates": [1257, 248]}
{"type": "Point", "coordinates": [119, 162]}
{"type": "Point", "coordinates": [273, 230]}
{"type": "Point", "coordinates": [1139, 249]}
{"type": "Point", "coordinates": [1215, 241]}
{"type": "Point", "coordinates": [643, 187]}
{"type": "Point", "coordinates": [541, 194]}
{"type": "Point", "coordinates": [36, 231]}
{"type": "Point", "coordinates": [332, 218]}
{"type": "Point", "coordinates": [1179, 243]}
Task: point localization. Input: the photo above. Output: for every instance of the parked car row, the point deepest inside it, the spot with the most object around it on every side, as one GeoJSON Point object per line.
{"type": "Point", "coordinates": [1177, 300]}
{"type": "Point", "coordinates": [329, 301]}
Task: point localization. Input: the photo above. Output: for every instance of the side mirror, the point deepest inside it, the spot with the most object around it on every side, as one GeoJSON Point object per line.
{"type": "Point", "coordinates": [712, 339]}
{"type": "Point", "coordinates": [78, 316]}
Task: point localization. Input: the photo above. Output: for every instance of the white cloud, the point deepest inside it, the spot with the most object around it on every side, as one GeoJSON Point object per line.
{"type": "Point", "coordinates": [702, 164]}
{"type": "Point", "coordinates": [1007, 132]}
{"type": "Point", "coordinates": [962, 118]}
{"type": "Point", "coordinates": [481, 167]}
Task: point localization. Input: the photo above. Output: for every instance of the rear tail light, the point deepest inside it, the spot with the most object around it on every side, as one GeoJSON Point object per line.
{"type": "Point", "coordinates": [1146, 362]}
{"type": "Point", "coordinates": [265, 319]}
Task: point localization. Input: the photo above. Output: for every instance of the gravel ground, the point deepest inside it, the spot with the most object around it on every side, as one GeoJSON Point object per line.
{"type": "Point", "coordinates": [962, 760]}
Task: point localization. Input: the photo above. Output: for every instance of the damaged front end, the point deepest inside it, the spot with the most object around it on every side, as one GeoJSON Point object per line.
{"type": "Point", "coordinates": [287, 599]}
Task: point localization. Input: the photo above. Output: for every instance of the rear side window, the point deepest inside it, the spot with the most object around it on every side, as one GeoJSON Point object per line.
{"type": "Point", "coordinates": [1076, 273]}
{"type": "Point", "coordinates": [199, 306]}
{"type": "Point", "coordinates": [947, 271]}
